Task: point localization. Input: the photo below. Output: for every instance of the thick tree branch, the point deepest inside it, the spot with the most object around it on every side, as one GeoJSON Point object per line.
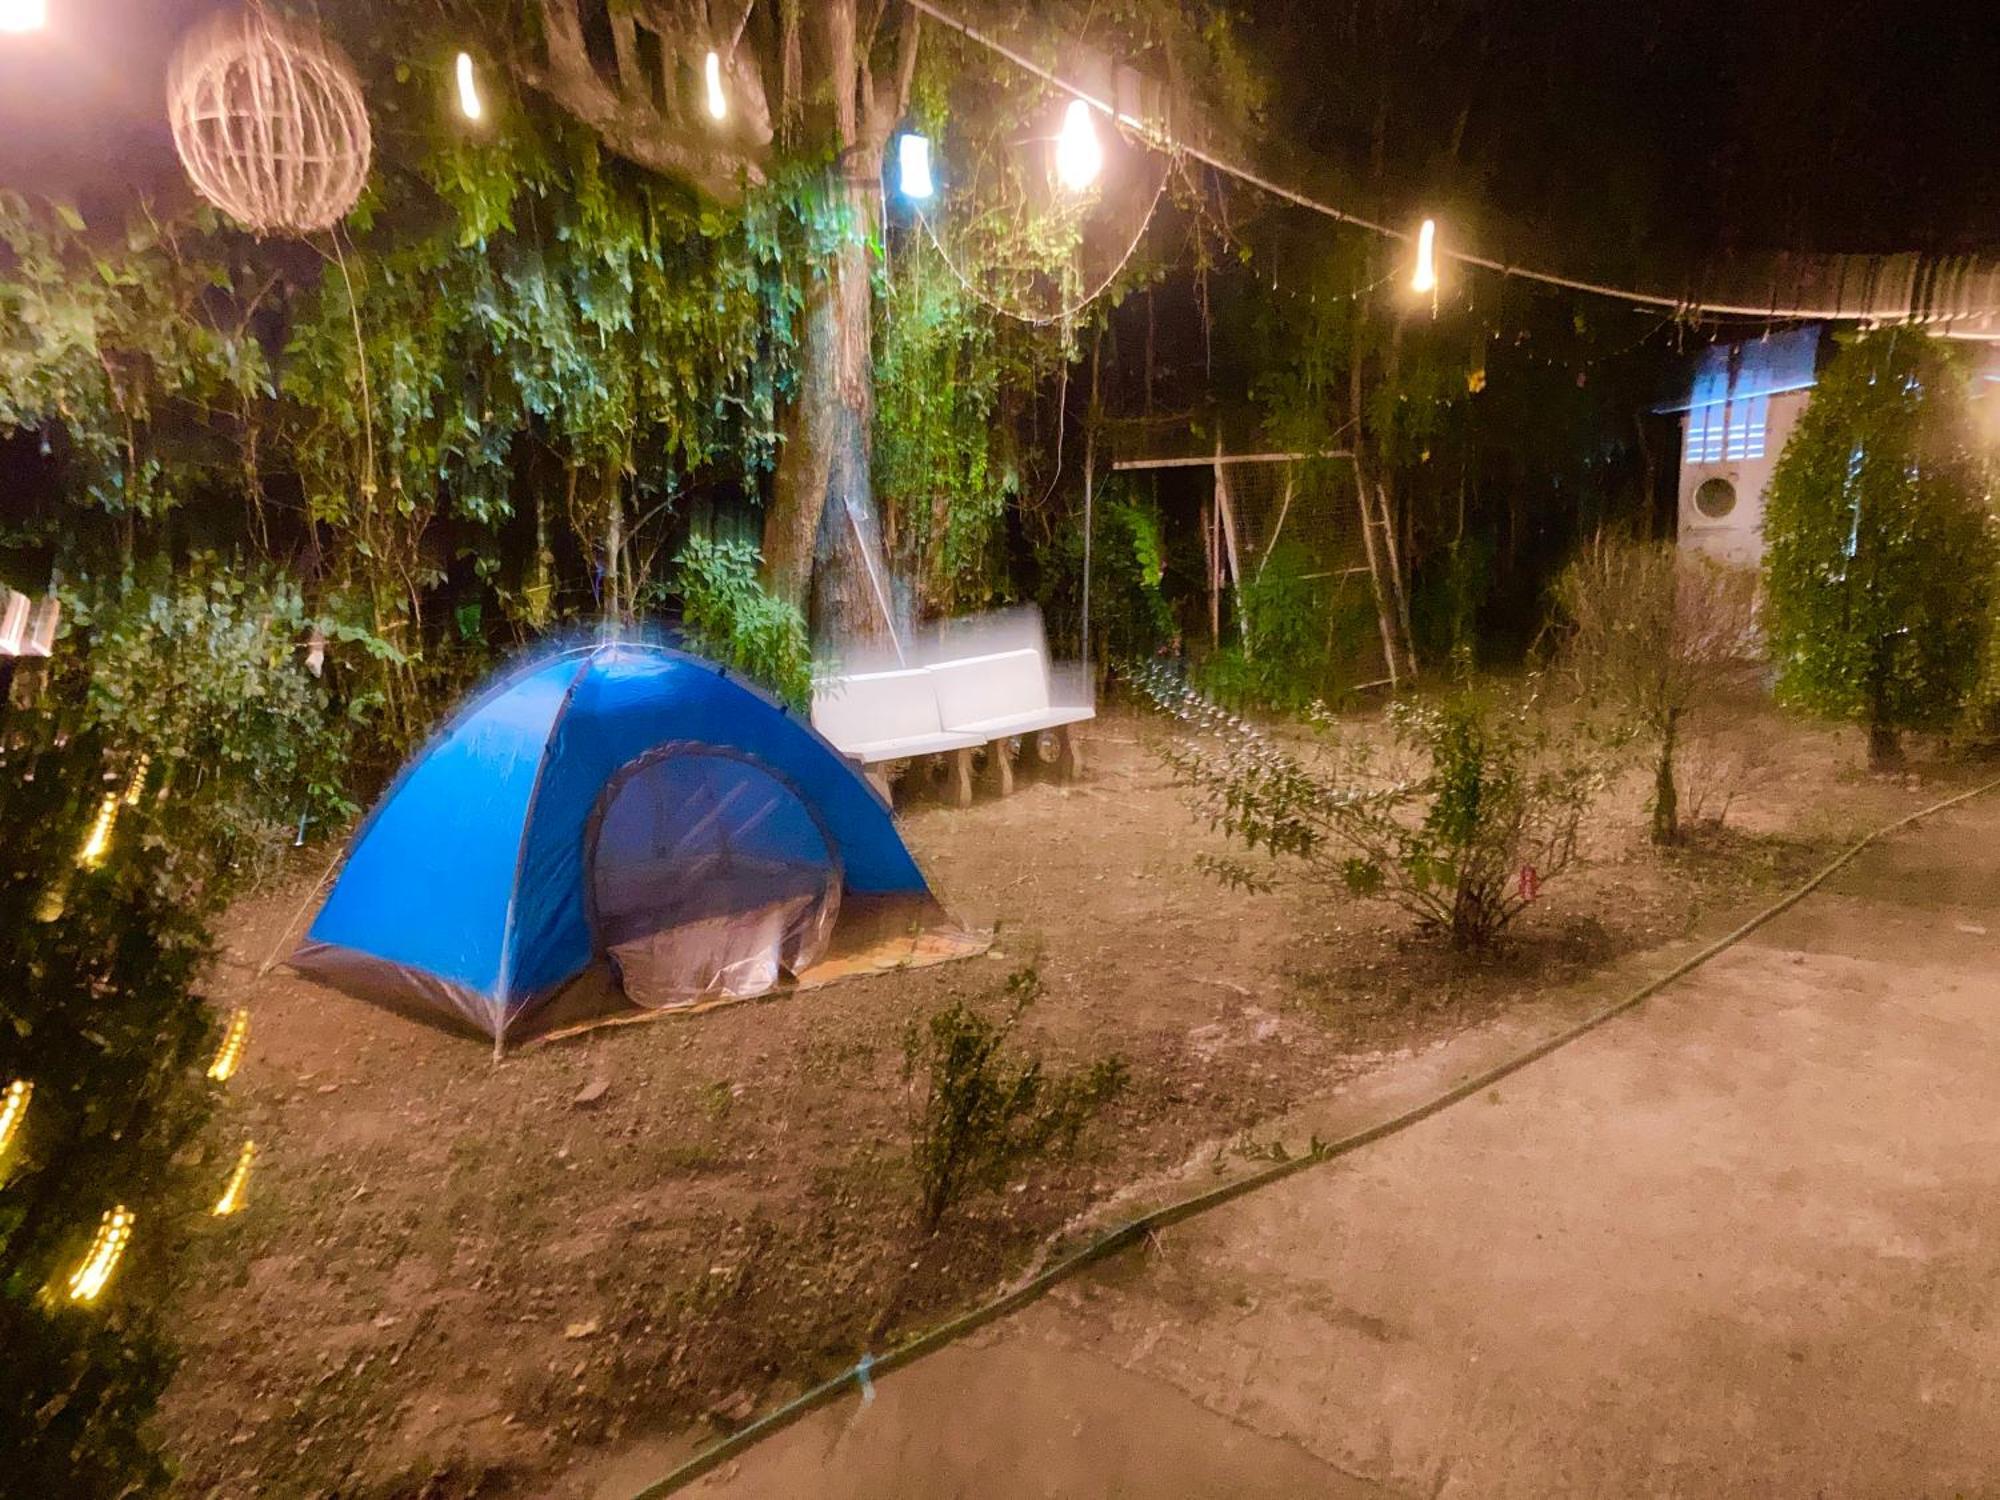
{"type": "Point", "coordinates": [713, 158]}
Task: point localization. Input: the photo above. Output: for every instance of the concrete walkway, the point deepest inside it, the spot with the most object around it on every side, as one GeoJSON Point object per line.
{"type": "Point", "coordinates": [1744, 1241]}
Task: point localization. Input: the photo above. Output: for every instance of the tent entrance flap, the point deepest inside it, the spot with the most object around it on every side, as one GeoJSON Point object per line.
{"type": "Point", "coordinates": [710, 878]}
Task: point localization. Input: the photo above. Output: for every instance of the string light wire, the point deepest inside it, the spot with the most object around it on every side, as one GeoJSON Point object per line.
{"type": "Point", "coordinates": [1067, 314]}
{"type": "Point", "coordinates": [1160, 139]}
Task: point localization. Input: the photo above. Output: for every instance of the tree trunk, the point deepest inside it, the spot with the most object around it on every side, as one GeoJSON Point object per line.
{"type": "Point", "coordinates": [1666, 796]}
{"type": "Point", "coordinates": [822, 536]}
{"type": "Point", "coordinates": [1885, 747]}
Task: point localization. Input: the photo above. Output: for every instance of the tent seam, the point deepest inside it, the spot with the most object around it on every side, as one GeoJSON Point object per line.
{"type": "Point", "coordinates": [503, 984]}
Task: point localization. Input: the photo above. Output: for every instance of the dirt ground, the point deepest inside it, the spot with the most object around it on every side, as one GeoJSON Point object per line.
{"type": "Point", "coordinates": [1737, 1242]}
{"type": "Point", "coordinates": [457, 1279]}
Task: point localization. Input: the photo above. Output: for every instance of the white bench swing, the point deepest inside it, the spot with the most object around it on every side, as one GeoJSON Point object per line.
{"type": "Point", "coordinates": [949, 706]}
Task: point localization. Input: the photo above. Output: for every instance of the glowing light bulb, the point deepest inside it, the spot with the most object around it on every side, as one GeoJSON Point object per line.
{"type": "Point", "coordinates": [469, 103]}
{"type": "Point", "coordinates": [98, 843]}
{"type": "Point", "coordinates": [711, 72]}
{"type": "Point", "coordinates": [13, 1112]}
{"type": "Point", "coordinates": [913, 166]}
{"type": "Point", "coordinates": [1426, 277]}
{"type": "Point", "coordinates": [234, 1193]}
{"type": "Point", "coordinates": [230, 1053]}
{"type": "Point", "coordinates": [23, 15]}
{"type": "Point", "coordinates": [87, 1281]}
{"type": "Point", "coordinates": [1079, 157]}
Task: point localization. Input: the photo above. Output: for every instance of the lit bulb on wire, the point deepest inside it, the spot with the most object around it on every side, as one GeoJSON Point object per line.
{"type": "Point", "coordinates": [913, 164]}
{"type": "Point", "coordinates": [711, 72]}
{"type": "Point", "coordinates": [469, 103]}
{"type": "Point", "coordinates": [23, 15]}
{"type": "Point", "coordinates": [1079, 157]}
{"type": "Point", "coordinates": [1425, 279]}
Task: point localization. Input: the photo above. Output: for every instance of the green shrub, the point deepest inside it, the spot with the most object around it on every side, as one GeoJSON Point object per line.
{"type": "Point", "coordinates": [1300, 637]}
{"type": "Point", "coordinates": [728, 614]}
{"type": "Point", "coordinates": [983, 1112]}
{"type": "Point", "coordinates": [1129, 616]}
{"type": "Point", "coordinates": [1471, 792]}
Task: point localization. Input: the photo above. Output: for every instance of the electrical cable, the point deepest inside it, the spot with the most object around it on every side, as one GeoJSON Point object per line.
{"type": "Point", "coordinates": [1066, 315]}
{"type": "Point", "coordinates": [871, 1367]}
{"type": "Point", "coordinates": [1683, 307]}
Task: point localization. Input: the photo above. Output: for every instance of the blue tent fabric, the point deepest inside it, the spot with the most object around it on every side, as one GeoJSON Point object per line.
{"type": "Point", "coordinates": [468, 887]}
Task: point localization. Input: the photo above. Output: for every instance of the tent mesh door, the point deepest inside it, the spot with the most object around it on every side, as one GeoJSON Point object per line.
{"type": "Point", "coordinates": [710, 878]}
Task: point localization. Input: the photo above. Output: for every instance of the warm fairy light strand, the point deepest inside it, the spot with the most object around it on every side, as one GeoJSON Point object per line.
{"type": "Point", "coordinates": [230, 1053]}
{"type": "Point", "coordinates": [88, 1280]}
{"type": "Point", "coordinates": [13, 1112]}
{"type": "Point", "coordinates": [137, 788]}
{"type": "Point", "coordinates": [98, 842]}
{"type": "Point", "coordinates": [1161, 140]}
{"type": "Point", "coordinates": [235, 1192]}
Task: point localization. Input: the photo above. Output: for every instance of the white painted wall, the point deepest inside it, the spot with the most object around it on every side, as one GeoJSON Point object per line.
{"type": "Point", "coordinates": [1737, 538]}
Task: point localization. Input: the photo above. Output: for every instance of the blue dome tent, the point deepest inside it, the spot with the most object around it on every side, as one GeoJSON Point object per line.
{"type": "Point", "coordinates": [619, 801]}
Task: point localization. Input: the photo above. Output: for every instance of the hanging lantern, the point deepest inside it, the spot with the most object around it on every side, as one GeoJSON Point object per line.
{"type": "Point", "coordinates": [1079, 157]}
{"type": "Point", "coordinates": [107, 1248]}
{"type": "Point", "coordinates": [1425, 278]}
{"type": "Point", "coordinates": [235, 1190]}
{"type": "Point", "coordinates": [269, 122]}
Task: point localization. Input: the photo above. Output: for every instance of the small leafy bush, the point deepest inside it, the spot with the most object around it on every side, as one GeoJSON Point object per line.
{"type": "Point", "coordinates": [727, 614]}
{"type": "Point", "coordinates": [199, 664]}
{"type": "Point", "coordinates": [984, 1111]}
{"type": "Point", "coordinates": [1476, 802]}
{"type": "Point", "coordinates": [1300, 635]}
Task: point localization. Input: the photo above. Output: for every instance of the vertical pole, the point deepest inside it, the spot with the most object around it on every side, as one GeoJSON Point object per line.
{"type": "Point", "coordinates": [1089, 510]}
{"type": "Point", "coordinates": [1226, 512]}
{"type": "Point", "coordinates": [1382, 607]}
{"type": "Point", "coordinates": [1214, 574]}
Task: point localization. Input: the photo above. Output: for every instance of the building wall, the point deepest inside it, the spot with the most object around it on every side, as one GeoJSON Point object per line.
{"type": "Point", "coordinates": [1737, 537]}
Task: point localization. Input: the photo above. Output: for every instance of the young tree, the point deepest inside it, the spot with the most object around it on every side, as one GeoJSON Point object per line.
{"type": "Point", "coordinates": [1880, 544]}
{"type": "Point", "coordinates": [1653, 629]}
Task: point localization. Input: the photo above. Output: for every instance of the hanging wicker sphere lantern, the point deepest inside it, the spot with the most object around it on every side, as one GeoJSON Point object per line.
{"type": "Point", "coordinates": [269, 122]}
